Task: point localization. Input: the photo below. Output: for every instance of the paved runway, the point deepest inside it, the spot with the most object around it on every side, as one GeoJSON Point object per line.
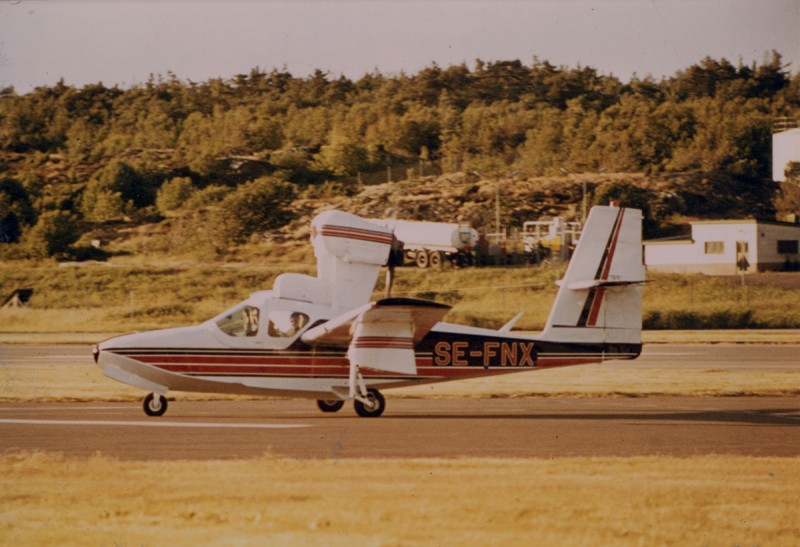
{"type": "Point", "coordinates": [446, 428]}
{"type": "Point", "coordinates": [676, 356]}
{"type": "Point", "coordinates": [536, 427]}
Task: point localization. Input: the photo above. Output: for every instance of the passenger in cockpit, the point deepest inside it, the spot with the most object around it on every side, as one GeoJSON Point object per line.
{"type": "Point", "coordinates": [251, 321]}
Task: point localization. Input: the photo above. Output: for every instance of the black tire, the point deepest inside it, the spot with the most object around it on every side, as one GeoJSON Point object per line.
{"type": "Point", "coordinates": [333, 405]}
{"type": "Point", "coordinates": [379, 405]}
{"type": "Point", "coordinates": [436, 260]}
{"type": "Point", "coordinates": [422, 258]}
{"type": "Point", "coordinates": [155, 405]}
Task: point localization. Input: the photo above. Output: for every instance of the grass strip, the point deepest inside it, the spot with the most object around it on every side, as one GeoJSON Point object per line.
{"type": "Point", "coordinates": [708, 500]}
{"type": "Point", "coordinates": [85, 382]}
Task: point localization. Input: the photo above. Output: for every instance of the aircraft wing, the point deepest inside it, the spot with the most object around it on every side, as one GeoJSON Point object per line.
{"type": "Point", "coordinates": [380, 335]}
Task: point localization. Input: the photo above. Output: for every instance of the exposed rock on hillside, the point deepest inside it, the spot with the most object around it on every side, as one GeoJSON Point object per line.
{"type": "Point", "coordinates": [466, 198]}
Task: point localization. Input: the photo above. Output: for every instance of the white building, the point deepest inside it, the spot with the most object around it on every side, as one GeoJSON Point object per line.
{"type": "Point", "coordinates": [785, 148]}
{"type": "Point", "coordinates": [726, 247]}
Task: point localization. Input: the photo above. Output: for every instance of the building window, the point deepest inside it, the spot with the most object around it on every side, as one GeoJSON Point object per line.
{"type": "Point", "coordinates": [715, 247]}
{"type": "Point", "coordinates": [787, 246]}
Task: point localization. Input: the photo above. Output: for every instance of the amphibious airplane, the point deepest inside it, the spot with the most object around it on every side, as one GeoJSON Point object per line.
{"type": "Point", "coordinates": [322, 338]}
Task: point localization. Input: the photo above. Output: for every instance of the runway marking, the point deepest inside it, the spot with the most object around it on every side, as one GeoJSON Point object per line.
{"type": "Point", "coordinates": [60, 408]}
{"type": "Point", "coordinates": [668, 353]}
{"type": "Point", "coordinates": [150, 424]}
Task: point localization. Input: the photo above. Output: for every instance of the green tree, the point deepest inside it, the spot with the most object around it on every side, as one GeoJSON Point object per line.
{"type": "Point", "coordinates": [16, 211]}
{"type": "Point", "coordinates": [628, 195]}
{"type": "Point", "coordinates": [344, 155]}
{"type": "Point", "coordinates": [115, 190]}
{"type": "Point", "coordinates": [52, 235]}
{"type": "Point", "coordinates": [253, 208]}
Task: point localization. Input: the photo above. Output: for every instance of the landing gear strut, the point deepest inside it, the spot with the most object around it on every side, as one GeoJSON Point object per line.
{"type": "Point", "coordinates": [369, 403]}
{"type": "Point", "coordinates": [155, 405]}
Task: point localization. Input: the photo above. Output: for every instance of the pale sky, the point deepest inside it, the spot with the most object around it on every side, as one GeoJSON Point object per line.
{"type": "Point", "coordinates": [124, 42]}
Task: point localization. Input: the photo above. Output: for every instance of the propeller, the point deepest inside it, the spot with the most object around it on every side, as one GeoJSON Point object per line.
{"type": "Point", "coordinates": [396, 254]}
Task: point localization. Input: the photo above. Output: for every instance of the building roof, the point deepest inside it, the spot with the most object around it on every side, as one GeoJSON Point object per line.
{"type": "Point", "coordinates": [669, 242]}
{"type": "Point", "coordinates": [746, 221]}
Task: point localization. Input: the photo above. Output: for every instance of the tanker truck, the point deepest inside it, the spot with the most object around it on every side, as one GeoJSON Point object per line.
{"type": "Point", "coordinates": [431, 244]}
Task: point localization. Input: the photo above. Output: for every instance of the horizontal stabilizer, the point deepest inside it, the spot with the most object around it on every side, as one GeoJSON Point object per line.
{"type": "Point", "coordinates": [586, 285]}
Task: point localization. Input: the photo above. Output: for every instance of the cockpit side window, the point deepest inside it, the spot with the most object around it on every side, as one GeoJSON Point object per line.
{"type": "Point", "coordinates": [242, 321]}
{"type": "Point", "coordinates": [286, 323]}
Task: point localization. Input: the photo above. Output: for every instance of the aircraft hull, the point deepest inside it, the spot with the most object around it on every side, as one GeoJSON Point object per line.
{"type": "Point", "coordinates": [306, 372]}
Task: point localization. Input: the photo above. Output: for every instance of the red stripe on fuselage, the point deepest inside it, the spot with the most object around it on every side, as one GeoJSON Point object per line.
{"type": "Point", "coordinates": [356, 233]}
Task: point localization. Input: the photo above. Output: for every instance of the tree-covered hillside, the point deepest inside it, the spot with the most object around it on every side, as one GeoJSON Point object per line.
{"type": "Point", "coordinates": [233, 156]}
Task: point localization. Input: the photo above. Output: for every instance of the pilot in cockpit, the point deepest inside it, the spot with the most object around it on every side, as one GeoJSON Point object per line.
{"type": "Point", "coordinates": [298, 321]}
{"type": "Point", "coordinates": [285, 325]}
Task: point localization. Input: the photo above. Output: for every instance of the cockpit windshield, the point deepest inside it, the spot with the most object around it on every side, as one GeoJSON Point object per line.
{"type": "Point", "coordinates": [241, 321]}
{"type": "Point", "coordinates": [245, 321]}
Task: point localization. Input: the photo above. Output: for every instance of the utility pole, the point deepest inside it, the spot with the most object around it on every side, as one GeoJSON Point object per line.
{"type": "Point", "coordinates": [497, 208]}
{"type": "Point", "coordinates": [583, 207]}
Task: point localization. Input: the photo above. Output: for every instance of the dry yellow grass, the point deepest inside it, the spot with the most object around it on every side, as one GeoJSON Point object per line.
{"type": "Point", "coordinates": [710, 500]}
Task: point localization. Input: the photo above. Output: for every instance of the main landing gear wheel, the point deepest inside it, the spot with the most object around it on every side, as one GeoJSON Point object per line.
{"type": "Point", "coordinates": [376, 406]}
{"type": "Point", "coordinates": [334, 405]}
{"type": "Point", "coordinates": [155, 405]}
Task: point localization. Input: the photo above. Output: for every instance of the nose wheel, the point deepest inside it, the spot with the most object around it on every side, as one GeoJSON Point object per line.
{"type": "Point", "coordinates": [155, 405]}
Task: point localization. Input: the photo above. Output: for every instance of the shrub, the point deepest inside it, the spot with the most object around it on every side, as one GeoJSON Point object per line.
{"type": "Point", "coordinates": [173, 194]}
{"type": "Point", "coordinates": [210, 195]}
{"type": "Point", "coordinates": [692, 320]}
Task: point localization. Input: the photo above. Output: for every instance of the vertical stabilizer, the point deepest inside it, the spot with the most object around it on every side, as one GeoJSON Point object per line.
{"type": "Point", "coordinates": [600, 297]}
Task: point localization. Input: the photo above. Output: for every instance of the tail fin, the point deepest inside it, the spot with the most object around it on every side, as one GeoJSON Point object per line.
{"type": "Point", "coordinates": [600, 297]}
